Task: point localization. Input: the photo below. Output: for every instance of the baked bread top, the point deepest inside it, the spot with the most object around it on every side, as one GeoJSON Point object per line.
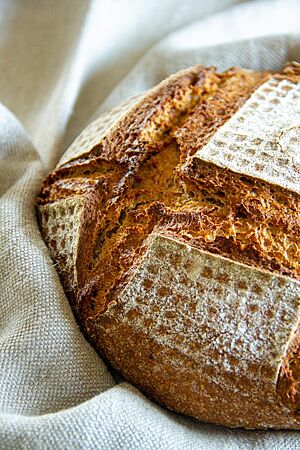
{"type": "Point", "coordinates": [174, 223]}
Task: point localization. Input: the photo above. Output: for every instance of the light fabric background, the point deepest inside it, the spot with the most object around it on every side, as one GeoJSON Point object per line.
{"type": "Point", "coordinates": [61, 63]}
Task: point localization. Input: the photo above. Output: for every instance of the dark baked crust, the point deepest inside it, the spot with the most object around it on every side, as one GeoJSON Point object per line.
{"type": "Point", "coordinates": [141, 179]}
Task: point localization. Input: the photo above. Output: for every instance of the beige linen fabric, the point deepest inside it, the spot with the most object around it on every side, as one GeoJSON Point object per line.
{"type": "Point", "coordinates": [62, 62]}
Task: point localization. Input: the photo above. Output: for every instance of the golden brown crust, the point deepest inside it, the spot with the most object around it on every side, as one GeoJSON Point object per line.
{"type": "Point", "coordinates": [140, 179]}
{"type": "Point", "coordinates": [289, 377]}
{"type": "Point", "coordinates": [184, 355]}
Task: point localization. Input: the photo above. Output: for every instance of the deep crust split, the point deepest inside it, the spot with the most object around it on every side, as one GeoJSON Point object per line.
{"type": "Point", "coordinates": [184, 273]}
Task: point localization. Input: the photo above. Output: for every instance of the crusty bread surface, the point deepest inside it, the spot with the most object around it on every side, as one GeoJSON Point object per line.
{"type": "Point", "coordinates": [174, 221]}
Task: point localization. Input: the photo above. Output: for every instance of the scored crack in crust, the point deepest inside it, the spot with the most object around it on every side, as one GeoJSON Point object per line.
{"type": "Point", "coordinates": [104, 207]}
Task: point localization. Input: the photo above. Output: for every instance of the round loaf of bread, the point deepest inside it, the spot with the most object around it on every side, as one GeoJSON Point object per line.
{"type": "Point", "coordinates": [174, 223]}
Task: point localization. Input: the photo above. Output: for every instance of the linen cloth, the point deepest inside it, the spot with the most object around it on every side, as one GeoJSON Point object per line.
{"type": "Point", "coordinates": [61, 64]}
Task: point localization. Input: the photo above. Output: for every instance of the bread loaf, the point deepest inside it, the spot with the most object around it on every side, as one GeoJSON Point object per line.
{"type": "Point", "coordinates": [174, 222]}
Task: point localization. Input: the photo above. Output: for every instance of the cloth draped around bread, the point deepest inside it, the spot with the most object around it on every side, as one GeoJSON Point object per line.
{"type": "Point", "coordinates": [63, 63]}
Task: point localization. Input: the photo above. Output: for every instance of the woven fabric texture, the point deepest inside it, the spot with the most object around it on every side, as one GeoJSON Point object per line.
{"type": "Point", "coordinates": [62, 63]}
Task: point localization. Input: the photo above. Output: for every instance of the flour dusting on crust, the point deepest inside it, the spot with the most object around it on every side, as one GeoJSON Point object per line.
{"type": "Point", "coordinates": [230, 311]}
{"type": "Point", "coordinates": [263, 138]}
